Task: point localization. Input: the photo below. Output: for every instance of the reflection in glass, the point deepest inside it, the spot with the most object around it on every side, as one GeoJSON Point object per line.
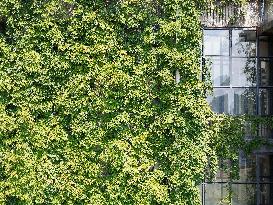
{"type": "Point", "coordinates": [220, 71]}
{"type": "Point", "coordinates": [247, 168]}
{"type": "Point", "coordinates": [250, 130]}
{"type": "Point", "coordinates": [243, 71]}
{"type": "Point", "coordinates": [265, 132]}
{"type": "Point", "coordinates": [234, 69]}
{"type": "Point", "coordinates": [266, 175]}
{"type": "Point", "coordinates": [223, 173]}
{"type": "Point", "coordinates": [243, 43]}
{"type": "Point", "coordinates": [266, 166]}
{"type": "Point", "coordinates": [216, 42]}
{"type": "Point", "coordinates": [219, 102]}
{"type": "Point", "coordinates": [244, 194]}
{"type": "Point", "coordinates": [266, 73]}
{"type": "Point", "coordinates": [266, 195]}
{"type": "Point", "coordinates": [236, 101]}
{"type": "Point", "coordinates": [266, 101]}
{"type": "Point", "coordinates": [263, 46]}
{"type": "Point", "coordinates": [244, 101]}
{"type": "Point", "coordinates": [216, 194]}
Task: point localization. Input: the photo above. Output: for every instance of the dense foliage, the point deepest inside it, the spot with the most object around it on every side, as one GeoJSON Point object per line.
{"type": "Point", "coordinates": [90, 112]}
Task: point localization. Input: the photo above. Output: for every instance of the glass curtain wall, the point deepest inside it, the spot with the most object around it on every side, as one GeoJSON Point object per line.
{"type": "Point", "coordinates": [242, 76]}
{"type": "Point", "coordinates": [232, 55]}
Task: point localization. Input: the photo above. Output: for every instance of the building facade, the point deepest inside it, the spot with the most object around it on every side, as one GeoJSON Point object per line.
{"type": "Point", "coordinates": [238, 43]}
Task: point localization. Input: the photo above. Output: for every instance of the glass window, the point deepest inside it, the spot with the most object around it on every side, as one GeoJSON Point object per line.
{"type": "Point", "coordinates": [266, 132]}
{"type": "Point", "coordinates": [263, 46]}
{"type": "Point", "coordinates": [266, 176]}
{"type": "Point", "coordinates": [266, 73]}
{"type": "Point", "coordinates": [250, 130]}
{"type": "Point", "coordinates": [243, 194]}
{"type": "Point", "coordinates": [266, 101]}
{"type": "Point", "coordinates": [219, 102]}
{"type": "Point", "coordinates": [243, 72]}
{"type": "Point", "coordinates": [220, 71]}
{"type": "Point", "coordinates": [223, 173]}
{"type": "Point", "coordinates": [216, 42]}
{"type": "Point", "coordinates": [247, 168]}
{"type": "Point", "coordinates": [243, 43]}
{"type": "Point", "coordinates": [266, 194]}
{"type": "Point", "coordinates": [235, 101]}
{"type": "Point", "coordinates": [216, 193]}
{"type": "Point", "coordinates": [244, 101]}
{"type": "Point", "coordinates": [265, 162]}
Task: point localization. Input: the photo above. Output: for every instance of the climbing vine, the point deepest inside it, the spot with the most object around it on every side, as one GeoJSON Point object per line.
{"type": "Point", "coordinates": [90, 112]}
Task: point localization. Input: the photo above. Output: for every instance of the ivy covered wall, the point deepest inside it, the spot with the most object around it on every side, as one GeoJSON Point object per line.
{"type": "Point", "coordinates": [90, 112]}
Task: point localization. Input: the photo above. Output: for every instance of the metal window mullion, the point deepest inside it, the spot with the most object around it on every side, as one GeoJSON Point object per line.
{"type": "Point", "coordinates": [258, 191]}
{"type": "Point", "coordinates": [253, 28]}
{"type": "Point", "coordinates": [230, 58]}
{"type": "Point", "coordinates": [258, 70]}
{"type": "Point", "coordinates": [226, 182]}
{"type": "Point", "coordinates": [203, 193]}
{"type": "Point", "coordinates": [231, 95]}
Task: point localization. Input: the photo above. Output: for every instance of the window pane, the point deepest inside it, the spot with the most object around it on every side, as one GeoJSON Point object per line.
{"type": "Point", "coordinates": [220, 71]}
{"type": "Point", "coordinates": [216, 42]}
{"type": "Point", "coordinates": [243, 71]}
{"type": "Point", "coordinates": [236, 101]}
{"type": "Point", "coordinates": [244, 194]}
{"type": "Point", "coordinates": [264, 46]}
{"type": "Point", "coordinates": [244, 101]}
{"type": "Point", "coordinates": [265, 132]}
{"type": "Point", "coordinates": [223, 173]}
{"type": "Point", "coordinates": [243, 43]}
{"type": "Point", "coordinates": [247, 168]}
{"type": "Point", "coordinates": [266, 101]}
{"type": "Point", "coordinates": [266, 191]}
{"type": "Point", "coordinates": [219, 102]}
{"type": "Point", "coordinates": [266, 176]}
{"type": "Point", "coordinates": [266, 78]}
{"type": "Point", "coordinates": [250, 130]}
{"type": "Point", "coordinates": [216, 194]}
{"type": "Point", "coordinates": [266, 167]}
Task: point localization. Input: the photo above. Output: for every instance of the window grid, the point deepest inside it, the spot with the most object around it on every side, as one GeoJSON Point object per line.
{"type": "Point", "coordinates": [262, 185]}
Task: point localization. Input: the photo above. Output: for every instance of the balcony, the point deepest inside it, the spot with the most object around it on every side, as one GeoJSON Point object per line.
{"type": "Point", "coordinates": [237, 15]}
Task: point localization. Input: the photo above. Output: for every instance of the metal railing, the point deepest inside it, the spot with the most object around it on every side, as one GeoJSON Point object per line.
{"type": "Point", "coordinates": [232, 14]}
